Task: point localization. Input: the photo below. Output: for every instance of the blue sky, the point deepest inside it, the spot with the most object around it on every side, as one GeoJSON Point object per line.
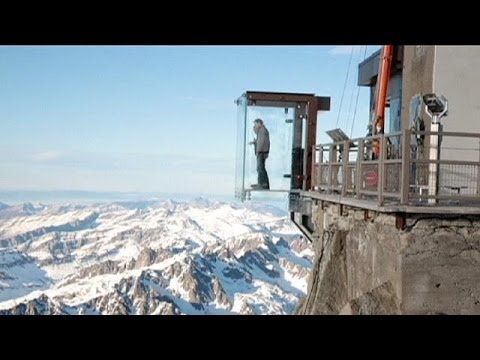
{"type": "Point", "coordinates": [148, 119]}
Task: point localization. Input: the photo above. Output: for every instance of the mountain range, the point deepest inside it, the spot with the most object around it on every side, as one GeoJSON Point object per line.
{"type": "Point", "coordinates": [151, 257]}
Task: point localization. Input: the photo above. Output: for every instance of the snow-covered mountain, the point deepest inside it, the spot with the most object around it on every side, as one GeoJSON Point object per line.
{"type": "Point", "coordinates": [157, 257]}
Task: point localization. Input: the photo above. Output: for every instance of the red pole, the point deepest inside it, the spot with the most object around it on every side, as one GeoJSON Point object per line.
{"type": "Point", "coordinates": [381, 95]}
{"type": "Point", "coordinates": [383, 81]}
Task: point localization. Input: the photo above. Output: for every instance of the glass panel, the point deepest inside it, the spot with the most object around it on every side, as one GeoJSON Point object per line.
{"type": "Point", "coordinates": [278, 163]}
{"type": "Point", "coordinates": [240, 160]}
{"type": "Point", "coordinates": [394, 113]}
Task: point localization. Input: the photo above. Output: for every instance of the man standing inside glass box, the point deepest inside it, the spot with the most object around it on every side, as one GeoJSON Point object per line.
{"type": "Point", "coordinates": [262, 148]}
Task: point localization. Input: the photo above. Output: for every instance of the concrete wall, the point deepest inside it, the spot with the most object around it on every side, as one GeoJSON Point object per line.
{"type": "Point", "coordinates": [452, 71]}
{"type": "Point", "coordinates": [457, 77]}
{"type": "Point", "coordinates": [418, 64]}
{"type": "Point", "coordinates": [441, 268]}
{"type": "Point", "coordinates": [371, 267]}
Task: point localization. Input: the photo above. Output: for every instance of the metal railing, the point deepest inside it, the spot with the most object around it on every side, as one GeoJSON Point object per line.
{"type": "Point", "coordinates": [402, 173]}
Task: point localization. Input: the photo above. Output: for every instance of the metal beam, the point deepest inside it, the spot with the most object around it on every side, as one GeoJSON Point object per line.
{"type": "Point", "coordinates": [311, 138]}
{"type": "Point", "coordinates": [369, 205]}
{"type": "Point", "coordinates": [323, 102]}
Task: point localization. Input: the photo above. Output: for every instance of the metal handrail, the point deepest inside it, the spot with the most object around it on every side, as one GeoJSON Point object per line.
{"type": "Point", "coordinates": [394, 178]}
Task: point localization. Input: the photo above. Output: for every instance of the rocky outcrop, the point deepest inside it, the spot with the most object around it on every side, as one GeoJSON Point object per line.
{"type": "Point", "coordinates": [146, 257]}
{"type": "Point", "coordinates": [328, 282]}
{"type": "Point", "coordinates": [87, 222]}
{"type": "Point", "coordinates": [247, 309]}
{"type": "Point", "coordinates": [372, 267]}
{"type": "Point", "coordinates": [106, 267]}
{"type": "Point", "coordinates": [220, 295]}
{"type": "Point", "coordinates": [382, 300]}
{"type": "Point", "coordinates": [42, 305]}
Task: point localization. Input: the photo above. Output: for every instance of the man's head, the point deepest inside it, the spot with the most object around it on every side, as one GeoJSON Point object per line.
{"type": "Point", "coordinates": [257, 124]}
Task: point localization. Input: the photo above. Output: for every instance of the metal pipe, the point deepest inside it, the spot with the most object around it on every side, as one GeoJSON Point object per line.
{"type": "Point", "coordinates": [378, 122]}
{"type": "Point", "coordinates": [383, 81]}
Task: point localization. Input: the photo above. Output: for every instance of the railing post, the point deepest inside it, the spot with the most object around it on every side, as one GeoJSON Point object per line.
{"type": "Point", "coordinates": [320, 166]}
{"type": "Point", "coordinates": [381, 172]}
{"type": "Point", "coordinates": [358, 188]}
{"type": "Point", "coordinates": [314, 166]}
{"type": "Point", "coordinates": [405, 177]}
{"type": "Point", "coordinates": [345, 157]}
{"type": "Point", "coordinates": [331, 156]}
{"type": "Point", "coordinates": [434, 167]}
